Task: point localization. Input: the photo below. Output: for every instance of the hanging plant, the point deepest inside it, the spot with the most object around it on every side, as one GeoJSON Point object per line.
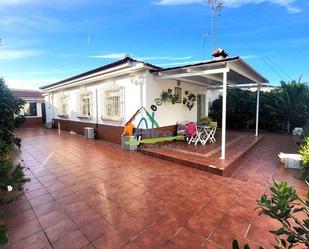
{"type": "Point", "coordinates": [167, 97]}
{"type": "Point", "coordinates": [169, 90]}
{"type": "Point", "coordinates": [186, 92]}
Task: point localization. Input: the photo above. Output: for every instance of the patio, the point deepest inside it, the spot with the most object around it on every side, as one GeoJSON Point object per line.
{"type": "Point", "coordinates": [207, 157]}
{"type": "Point", "coordinates": [92, 194]}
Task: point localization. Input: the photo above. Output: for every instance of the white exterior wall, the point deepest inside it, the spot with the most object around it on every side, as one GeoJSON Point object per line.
{"type": "Point", "coordinates": [132, 101]}
{"type": "Point", "coordinates": [169, 114]}
{"type": "Point", "coordinates": [140, 90]}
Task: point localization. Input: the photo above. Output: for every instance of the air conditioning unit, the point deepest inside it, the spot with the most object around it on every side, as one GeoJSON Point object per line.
{"type": "Point", "coordinates": [89, 132]}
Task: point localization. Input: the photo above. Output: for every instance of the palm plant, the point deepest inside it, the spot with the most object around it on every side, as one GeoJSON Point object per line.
{"type": "Point", "coordinates": [290, 104]}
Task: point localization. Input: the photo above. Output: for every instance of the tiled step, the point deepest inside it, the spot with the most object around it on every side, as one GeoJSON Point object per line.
{"type": "Point", "coordinates": [209, 161]}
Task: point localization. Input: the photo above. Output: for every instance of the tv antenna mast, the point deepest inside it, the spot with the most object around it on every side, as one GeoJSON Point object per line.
{"type": "Point", "coordinates": [216, 6]}
{"type": "Point", "coordinates": [205, 35]}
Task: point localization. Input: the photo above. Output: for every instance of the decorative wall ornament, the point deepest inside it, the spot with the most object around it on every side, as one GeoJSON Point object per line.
{"type": "Point", "coordinates": [168, 97]}
{"type": "Point", "coordinates": [158, 101]}
{"type": "Point", "coordinates": [189, 100]}
{"type": "Point", "coordinates": [138, 79]}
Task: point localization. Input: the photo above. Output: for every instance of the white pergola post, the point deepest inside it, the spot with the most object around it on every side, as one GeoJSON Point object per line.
{"type": "Point", "coordinates": [257, 111]}
{"type": "Point", "coordinates": [223, 128]}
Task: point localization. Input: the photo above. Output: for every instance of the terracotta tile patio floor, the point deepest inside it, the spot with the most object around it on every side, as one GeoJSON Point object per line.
{"type": "Point", "coordinates": [91, 194]}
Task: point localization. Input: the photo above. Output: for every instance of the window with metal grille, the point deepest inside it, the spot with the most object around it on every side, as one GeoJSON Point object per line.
{"type": "Point", "coordinates": [63, 104]}
{"type": "Point", "coordinates": [113, 103]}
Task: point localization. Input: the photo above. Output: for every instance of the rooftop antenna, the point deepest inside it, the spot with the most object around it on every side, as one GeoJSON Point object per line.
{"type": "Point", "coordinates": [205, 35]}
{"type": "Point", "coordinates": [218, 9]}
{"type": "Point", "coordinates": [216, 5]}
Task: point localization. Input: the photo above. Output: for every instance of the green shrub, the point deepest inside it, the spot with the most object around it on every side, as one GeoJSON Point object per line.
{"type": "Point", "coordinates": [284, 205]}
{"type": "Point", "coordinates": [281, 109]}
{"type": "Point", "coordinates": [12, 176]}
{"type": "Point", "coordinates": [304, 153]}
{"type": "Point", "coordinates": [306, 129]}
{"type": "Point", "coordinates": [19, 120]}
{"type": "Point", "coordinates": [206, 121]}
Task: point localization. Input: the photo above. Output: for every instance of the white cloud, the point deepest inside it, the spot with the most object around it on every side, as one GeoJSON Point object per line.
{"type": "Point", "coordinates": [12, 54]}
{"type": "Point", "coordinates": [110, 56]}
{"type": "Point", "coordinates": [163, 58]}
{"type": "Point", "coordinates": [146, 58]}
{"type": "Point", "coordinates": [288, 4]}
{"type": "Point", "coordinates": [23, 83]}
{"type": "Point", "coordinates": [179, 63]}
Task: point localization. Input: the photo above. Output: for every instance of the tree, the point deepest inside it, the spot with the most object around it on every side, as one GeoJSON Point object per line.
{"type": "Point", "coordinates": [290, 104]}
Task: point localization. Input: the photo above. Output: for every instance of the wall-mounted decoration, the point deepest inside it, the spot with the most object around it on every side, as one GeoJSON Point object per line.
{"type": "Point", "coordinates": [178, 94]}
{"type": "Point", "coordinates": [154, 108]}
{"type": "Point", "coordinates": [158, 101]}
{"type": "Point", "coordinates": [168, 97]}
{"type": "Point", "coordinates": [189, 100]}
{"type": "Point", "coordinates": [137, 79]}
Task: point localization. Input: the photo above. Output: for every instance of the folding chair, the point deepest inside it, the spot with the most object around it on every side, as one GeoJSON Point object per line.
{"type": "Point", "coordinates": [212, 133]}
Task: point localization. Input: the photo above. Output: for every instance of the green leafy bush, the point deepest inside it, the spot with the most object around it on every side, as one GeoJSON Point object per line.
{"type": "Point", "coordinates": [281, 109]}
{"type": "Point", "coordinates": [206, 120]}
{"type": "Point", "coordinates": [304, 153]}
{"type": "Point", "coordinates": [12, 176]}
{"type": "Point", "coordinates": [285, 206]}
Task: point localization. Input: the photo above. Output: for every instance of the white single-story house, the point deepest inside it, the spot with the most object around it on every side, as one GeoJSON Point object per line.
{"type": "Point", "coordinates": [34, 107]}
{"type": "Point", "coordinates": [106, 98]}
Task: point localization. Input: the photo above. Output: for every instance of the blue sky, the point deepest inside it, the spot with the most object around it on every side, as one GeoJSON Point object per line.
{"type": "Point", "coordinates": [48, 40]}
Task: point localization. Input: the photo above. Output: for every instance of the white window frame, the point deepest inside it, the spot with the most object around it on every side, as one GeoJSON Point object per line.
{"type": "Point", "coordinates": [63, 105]}
{"type": "Point", "coordinates": [116, 112]}
{"type": "Point", "coordinates": [82, 96]}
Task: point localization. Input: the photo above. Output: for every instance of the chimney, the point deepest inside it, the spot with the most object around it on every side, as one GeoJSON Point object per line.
{"type": "Point", "coordinates": [219, 54]}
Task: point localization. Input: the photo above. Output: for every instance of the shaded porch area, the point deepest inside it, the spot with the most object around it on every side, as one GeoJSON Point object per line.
{"type": "Point", "coordinates": [207, 157]}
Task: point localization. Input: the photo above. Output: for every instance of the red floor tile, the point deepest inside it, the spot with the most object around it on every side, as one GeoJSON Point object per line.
{"type": "Point", "coordinates": [186, 239]}
{"type": "Point", "coordinates": [103, 194]}
{"type": "Point", "coordinates": [60, 229]}
{"type": "Point", "coordinates": [95, 229]}
{"type": "Point", "coordinates": [36, 241]}
{"type": "Point", "coordinates": [23, 231]}
{"type": "Point", "coordinates": [111, 240]}
{"type": "Point", "coordinates": [73, 240]}
{"type": "Point", "coordinates": [150, 239]}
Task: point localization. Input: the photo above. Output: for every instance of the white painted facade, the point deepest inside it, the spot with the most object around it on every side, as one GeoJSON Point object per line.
{"type": "Point", "coordinates": [140, 89]}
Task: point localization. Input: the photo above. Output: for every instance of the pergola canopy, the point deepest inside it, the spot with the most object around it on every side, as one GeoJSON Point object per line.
{"type": "Point", "coordinates": [209, 73]}
{"type": "Point", "coordinates": [233, 72]}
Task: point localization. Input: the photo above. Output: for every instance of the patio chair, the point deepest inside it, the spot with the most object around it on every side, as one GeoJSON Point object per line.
{"type": "Point", "coordinates": [213, 132]}
{"type": "Point", "coordinates": [192, 132]}
{"type": "Point", "coordinates": [199, 135]}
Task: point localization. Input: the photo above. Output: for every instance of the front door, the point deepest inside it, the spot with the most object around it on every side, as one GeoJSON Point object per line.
{"type": "Point", "coordinates": [201, 106]}
{"type": "Point", "coordinates": [43, 113]}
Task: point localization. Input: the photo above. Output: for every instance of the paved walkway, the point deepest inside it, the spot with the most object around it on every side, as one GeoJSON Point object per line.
{"type": "Point", "coordinates": [91, 194]}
